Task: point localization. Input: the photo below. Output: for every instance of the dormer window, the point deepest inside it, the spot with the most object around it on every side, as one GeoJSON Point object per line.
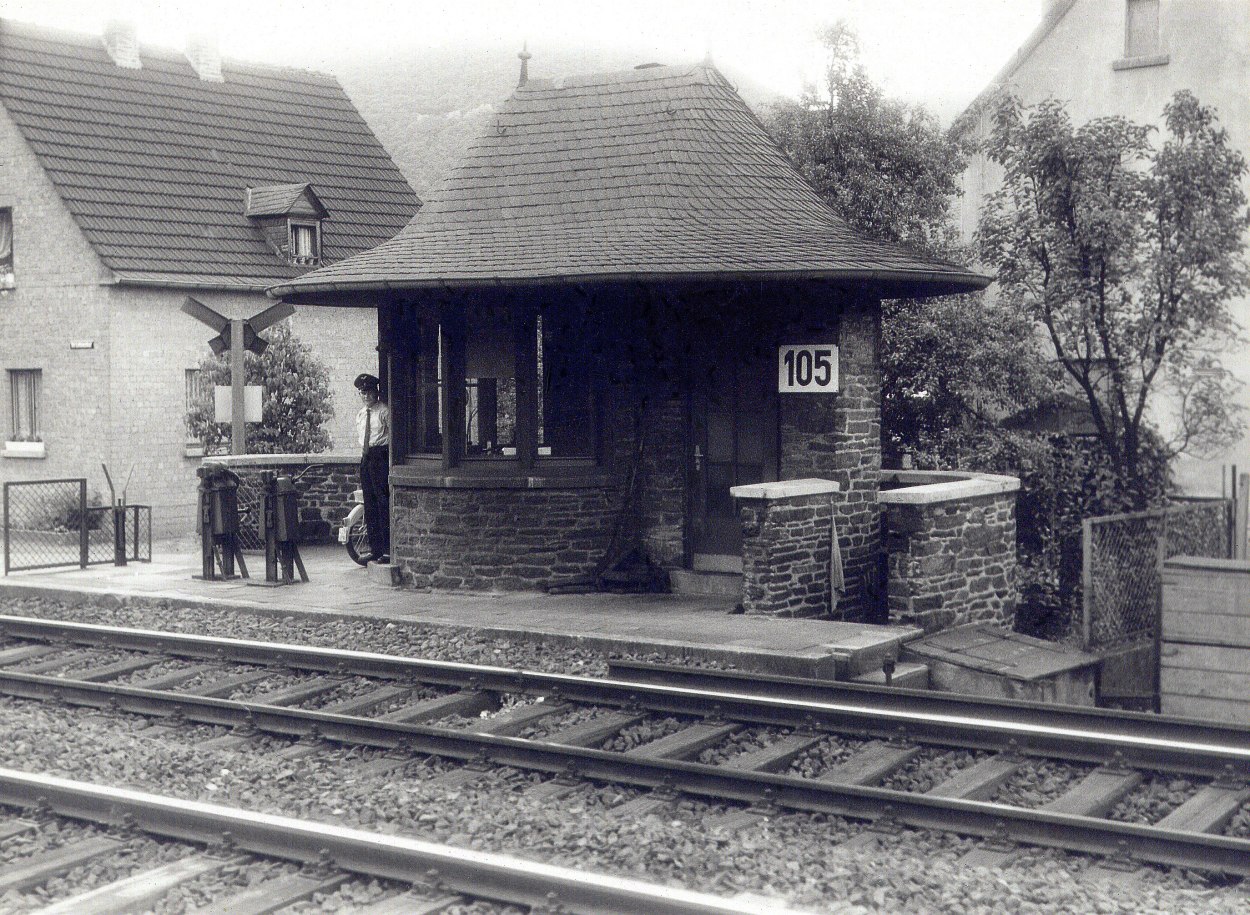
{"type": "Point", "coordinates": [305, 243]}
{"type": "Point", "coordinates": [289, 216]}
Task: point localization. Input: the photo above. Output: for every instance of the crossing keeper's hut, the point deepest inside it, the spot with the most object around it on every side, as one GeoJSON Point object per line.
{"type": "Point", "coordinates": [621, 304]}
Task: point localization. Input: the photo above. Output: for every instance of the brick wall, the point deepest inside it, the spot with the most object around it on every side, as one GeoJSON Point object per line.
{"type": "Point", "coordinates": [324, 482]}
{"type": "Point", "coordinates": [952, 551]}
{"type": "Point", "coordinates": [499, 538]}
{"type": "Point", "coordinates": [838, 437]}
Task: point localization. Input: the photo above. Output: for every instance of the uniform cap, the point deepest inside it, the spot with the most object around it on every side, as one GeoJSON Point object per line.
{"type": "Point", "coordinates": [367, 382]}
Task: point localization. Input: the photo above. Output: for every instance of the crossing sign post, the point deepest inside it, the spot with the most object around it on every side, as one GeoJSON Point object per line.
{"type": "Point", "coordinates": [237, 335]}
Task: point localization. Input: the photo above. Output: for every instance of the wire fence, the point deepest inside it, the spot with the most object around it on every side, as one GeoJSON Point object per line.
{"type": "Point", "coordinates": [50, 523]}
{"type": "Point", "coordinates": [1122, 558]}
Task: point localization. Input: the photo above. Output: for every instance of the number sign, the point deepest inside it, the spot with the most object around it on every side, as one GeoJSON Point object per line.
{"type": "Point", "coordinates": [810, 368]}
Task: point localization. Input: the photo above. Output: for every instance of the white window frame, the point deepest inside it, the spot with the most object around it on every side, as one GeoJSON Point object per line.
{"type": "Point", "coordinates": [314, 228]}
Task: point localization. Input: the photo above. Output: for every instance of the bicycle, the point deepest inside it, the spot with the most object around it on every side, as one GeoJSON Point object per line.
{"type": "Point", "coordinates": [354, 534]}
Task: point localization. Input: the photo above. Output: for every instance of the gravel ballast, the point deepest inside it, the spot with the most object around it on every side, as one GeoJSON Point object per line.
{"type": "Point", "coordinates": [792, 857]}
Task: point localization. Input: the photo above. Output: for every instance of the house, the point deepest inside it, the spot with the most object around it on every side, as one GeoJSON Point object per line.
{"type": "Point", "coordinates": [132, 177]}
{"type": "Point", "coordinates": [1128, 57]}
{"type": "Point", "coordinates": [621, 318]}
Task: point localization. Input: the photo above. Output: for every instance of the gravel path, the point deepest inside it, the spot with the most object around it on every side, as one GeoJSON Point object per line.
{"type": "Point", "coordinates": [790, 856]}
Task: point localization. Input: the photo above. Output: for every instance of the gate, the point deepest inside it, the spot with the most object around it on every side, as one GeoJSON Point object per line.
{"type": "Point", "coordinates": [1121, 560]}
{"type": "Point", "coordinates": [48, 523]}
{"type": "Point", "coordinates": [1122, 593]}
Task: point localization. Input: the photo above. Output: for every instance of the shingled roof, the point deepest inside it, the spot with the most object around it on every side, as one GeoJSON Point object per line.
{"type": "Point", "coordinates": [153, 163]}
{"type": "Point", "coordinates": [653, 173]}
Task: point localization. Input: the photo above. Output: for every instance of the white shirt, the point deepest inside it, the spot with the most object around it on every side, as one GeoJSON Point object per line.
{"type": "Point", "coordinates": [379, 425]}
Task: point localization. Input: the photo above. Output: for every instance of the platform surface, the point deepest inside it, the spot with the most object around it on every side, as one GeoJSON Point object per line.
{"type": "Point", "coordinates": [688, 625]}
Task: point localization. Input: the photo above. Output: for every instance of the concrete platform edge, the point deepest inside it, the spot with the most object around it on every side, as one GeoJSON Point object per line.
{"type": "Point", "coordinates": [830, 666]}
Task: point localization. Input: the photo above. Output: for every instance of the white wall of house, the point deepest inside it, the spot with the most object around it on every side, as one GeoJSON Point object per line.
{"type": "Point", "coordinates": [1206, 48]}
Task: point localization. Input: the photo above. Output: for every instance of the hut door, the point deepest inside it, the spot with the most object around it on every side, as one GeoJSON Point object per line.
{"type": "Point", "coordinates": [733, 442]}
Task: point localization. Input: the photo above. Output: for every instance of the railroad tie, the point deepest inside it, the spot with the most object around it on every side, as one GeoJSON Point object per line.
{"type": "Point", "coordinates": [766, 759]}
{"type": "Point", "coordinates": [11, 828]}
{"type": "Point", "coordinates": [300, 692]}
{"type": "Point", "coordinates": [411, 904]}
{"type": "Point", "coordinates": [172, 678]}
{"type": "Point", "coordinates": [595, 730]}
{"type": "Point", "coordinates": [138, 892]}
{"type": "Point", "coordinates": [684, 743]}
{"type": "Point", "coordinates": [870, 763]}
{"type": "Point", "coordinates": [20, 876]}
{"type": "Point", "coordinates": [361, 704]}
{"type": "Point", "coordinates": [24, 652]}
{"type": "Point", "coordinates": [117, 669]}
{"type": "Point", "coordinates": [466, 703]}
{"type": "Point", "coordinates": [271, 895]}
{"type": "Point", "coordinates": [979, 781]}
{"type": "Point", "coordinates": [1095, 794]}
{"type": "Point", "coordinates": [65, 660]}
{"type": "Point", "coordinates": [216, 689]}
{"type": "Point", "coordinates": [516, 719]}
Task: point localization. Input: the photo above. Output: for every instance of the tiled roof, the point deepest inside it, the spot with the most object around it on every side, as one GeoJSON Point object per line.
{"type": "Point", "coordinates": [660, 172]}
{"type": "Point", "coordinates": [153, 163]}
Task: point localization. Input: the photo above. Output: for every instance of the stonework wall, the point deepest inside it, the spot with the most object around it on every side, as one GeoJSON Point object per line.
{"type": "Point", "coordinates": [499, 538]}
{"type": "Point", "coordinates": [325, 483]}
{"type": "Point", "coordinates": [952, 561]}
{"type": "Point", "coordinates": [838, 437]}
{"type": "Point", "coordinates": [786, 559]}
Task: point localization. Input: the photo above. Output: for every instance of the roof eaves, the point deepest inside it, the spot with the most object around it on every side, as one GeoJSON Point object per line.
{"type": "Point", "coordinates": [186, 281]}
{"type": "Point", "coordinates": [948, 281]}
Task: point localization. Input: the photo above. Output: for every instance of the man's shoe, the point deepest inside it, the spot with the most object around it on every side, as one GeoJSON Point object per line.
{"type": "Point", "coordinates": [385, 558]}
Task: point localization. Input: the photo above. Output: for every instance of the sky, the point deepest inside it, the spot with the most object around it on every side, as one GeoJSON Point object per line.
{"type": "Point", "coordinates": [939, 52]}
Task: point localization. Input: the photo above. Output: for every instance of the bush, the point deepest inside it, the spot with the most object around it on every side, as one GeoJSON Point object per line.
{"type": "Point", "coordinates": [59, 512]}
{"type": "Point", "coordinates": [297, 401]}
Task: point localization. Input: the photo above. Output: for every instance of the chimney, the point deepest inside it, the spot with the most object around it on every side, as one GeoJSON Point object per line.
{"type": "Point", "coordinates": [204, 57]}
{"type": "Point", "coordinates": [122, 44]}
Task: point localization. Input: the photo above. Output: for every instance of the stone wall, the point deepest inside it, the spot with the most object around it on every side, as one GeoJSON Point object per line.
{"type": "Point", "coordinates": [952, 549]}
{"type": "Point", "coordinates": [838, 437]}
{"type": "Point", "coordinates": [325, 483]}
{"type": "Point", "coordinates": [786, 555]}
{"type": "Point", "coordinates": [498, 536]}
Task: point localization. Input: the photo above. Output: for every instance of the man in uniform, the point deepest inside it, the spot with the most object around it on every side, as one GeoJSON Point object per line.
{"type": "Point", "coordinates": [373, 430]}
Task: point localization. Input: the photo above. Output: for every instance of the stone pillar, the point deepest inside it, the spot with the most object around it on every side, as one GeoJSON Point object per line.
{"type": "Point", "coordinates": [952, 549]}
{"type": "Point", "coordinates": [838, 437]}
{"type": "Point", "coordinates": [786, 540]}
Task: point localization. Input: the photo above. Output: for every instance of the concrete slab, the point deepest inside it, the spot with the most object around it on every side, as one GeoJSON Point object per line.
{"type": "Point", "coordinates": [675, 624]}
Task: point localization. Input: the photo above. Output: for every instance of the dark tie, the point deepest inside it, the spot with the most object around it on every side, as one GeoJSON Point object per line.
{"type": "Point", "coordinates": [364, 447]}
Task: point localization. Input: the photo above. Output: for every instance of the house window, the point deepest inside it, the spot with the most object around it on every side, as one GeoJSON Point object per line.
{"type": "Point", "coordinates": [6, 249]}
{"type": "Point", "coordinates": [194, 381]}
{"type": "Point", "coordinates": [529, 390]}
{"type": "Point", "coordinates": [24, 385]}
{"type": "Point", "coordinates": [305, 243]}
{"type": "Point", "coordinates": [1141, 28]}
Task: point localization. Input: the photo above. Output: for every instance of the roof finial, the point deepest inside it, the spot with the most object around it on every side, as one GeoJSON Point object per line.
{"type": "Point", "coordinates": [525, 56]}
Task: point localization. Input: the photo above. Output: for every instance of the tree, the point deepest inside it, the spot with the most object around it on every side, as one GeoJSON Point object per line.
{"type": "Point", "coordinates": [951, 366]}
{"type": "Point", "coordinates": [297, 401]}
{"type": "Point", "coordinates": [1128, 256]}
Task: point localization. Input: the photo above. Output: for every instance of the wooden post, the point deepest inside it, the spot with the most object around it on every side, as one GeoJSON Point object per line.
{"type": "Point", "coordinates": [1243, 512]}
{"type": "Point", "coordinates": [238, 424]}
{"type": "Point", "coordinates": [1087, 582]}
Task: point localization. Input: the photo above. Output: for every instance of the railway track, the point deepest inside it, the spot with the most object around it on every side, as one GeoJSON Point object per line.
{"type": "Point", "coordinates": [558, 725]}
{"type": "Point", "coordinates": [422, 877]}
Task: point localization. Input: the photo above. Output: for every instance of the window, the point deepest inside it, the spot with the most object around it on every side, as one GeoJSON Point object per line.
{"type": "Point", "coordinates": [305, 243]}
{"type": "Point", "coordinates": [194, 380]}
{"type": "Point", "coordinates": [1141, 28]}
{"type": "Point", "coordinates": [24, 385]}
{"type": "Point", "coordinates": [6, 249]}
{"type": "Point", "coordinates": [529, 388]}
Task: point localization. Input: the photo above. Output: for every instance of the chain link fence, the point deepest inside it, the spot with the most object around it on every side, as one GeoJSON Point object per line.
{"type": "Point", "coordinates": [1122, 557]}
{"type": "Point", "coordinates": [50, 523]}
{"type": "Point", "coordinates": [251, 496]}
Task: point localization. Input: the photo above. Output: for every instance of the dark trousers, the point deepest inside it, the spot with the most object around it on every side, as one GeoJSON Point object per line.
{"type": "Point", "coordinates": [374, 473]}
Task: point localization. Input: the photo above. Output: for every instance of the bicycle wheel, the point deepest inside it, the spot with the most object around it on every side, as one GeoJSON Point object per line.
{"type": "Point", "coordinates": [358, 543]}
